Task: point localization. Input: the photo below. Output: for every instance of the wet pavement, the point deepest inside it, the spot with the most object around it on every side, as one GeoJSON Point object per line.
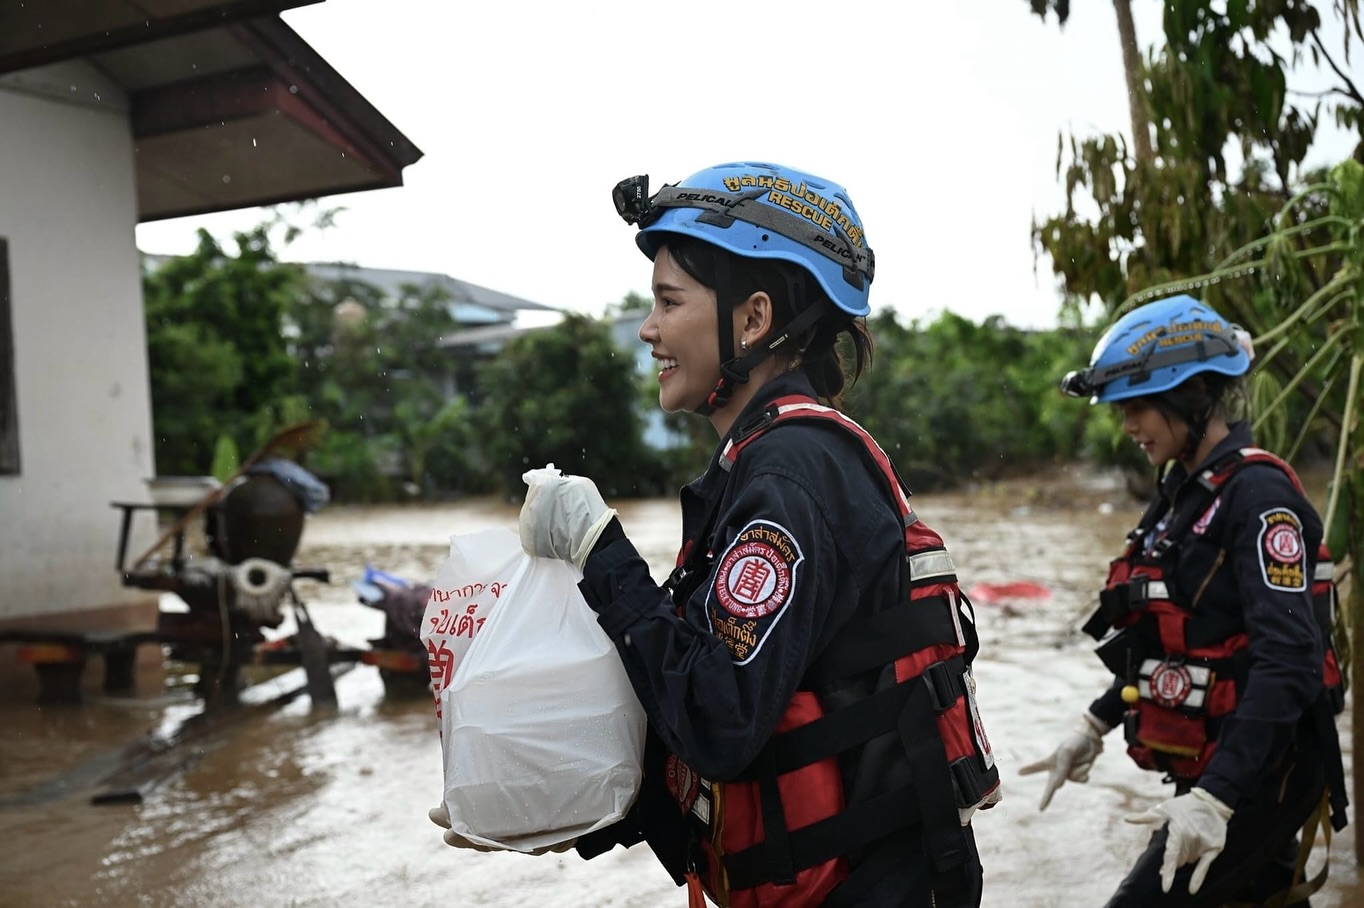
{"type": "Point", "coordinates": [291, 806]}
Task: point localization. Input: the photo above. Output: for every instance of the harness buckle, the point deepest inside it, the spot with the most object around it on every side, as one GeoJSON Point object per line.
{"type": "Point", "coordinates": [969, 782]}
{"type": "Point", "coordinates": [756, 425]}
{"type": "Point", "coordinates": [938, 679]}
{"type": "Point", "coordinates": [1114, 604]}
{"type": "Point", "coordinates": [675, 579]}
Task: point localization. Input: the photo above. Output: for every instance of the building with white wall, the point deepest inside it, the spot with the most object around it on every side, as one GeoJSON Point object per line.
{"type": "Point", "coordinates": [111, 115]}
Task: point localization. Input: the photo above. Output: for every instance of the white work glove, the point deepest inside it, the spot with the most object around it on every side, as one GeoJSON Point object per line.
{"type": "Point", "coordinates": [1073, 758]}
{"type": "Point", "coordinates": [1198, 832]}
{"type": "Point", "coordinates": [563, 515]}
{"type": "Point", "coordinates": [441, 817]}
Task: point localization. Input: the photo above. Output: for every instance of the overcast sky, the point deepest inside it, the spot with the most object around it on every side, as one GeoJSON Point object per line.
{"type": "Point", "coordinates": [942, 124]}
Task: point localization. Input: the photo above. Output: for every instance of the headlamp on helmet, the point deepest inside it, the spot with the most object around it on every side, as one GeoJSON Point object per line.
{"type": "Point", "coordinates": [1078, 384]}
{"type": "Point", "coordinates": [631, 196]}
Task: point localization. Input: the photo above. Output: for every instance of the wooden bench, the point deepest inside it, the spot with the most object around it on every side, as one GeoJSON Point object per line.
{"type": "Point", "coordinates": [59, 658]}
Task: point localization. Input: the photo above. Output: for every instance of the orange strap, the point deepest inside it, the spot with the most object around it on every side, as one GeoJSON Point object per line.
{"type": "Point", "coordinates": [696, 896]}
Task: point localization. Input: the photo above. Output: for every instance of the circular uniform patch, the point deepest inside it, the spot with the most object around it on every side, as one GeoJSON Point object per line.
{"type": "Point", "coordinates": [1170, 684]}
{"type": "Point", "coordinates": [1282, 542]}
{"type": "Point", "coordinates": [683, 783]}
{"type": "Point", "coordinates": [754, 579]}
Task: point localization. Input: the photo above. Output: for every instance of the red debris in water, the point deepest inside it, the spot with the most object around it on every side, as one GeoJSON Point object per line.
{"type": "Point", "coordinates": [1002, 592]}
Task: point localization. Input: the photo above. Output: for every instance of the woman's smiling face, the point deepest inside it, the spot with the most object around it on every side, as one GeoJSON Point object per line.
{"type": "Point", "coordinates": [1160, 438]}
{"type": "Point", "coordinates": [681, 332]}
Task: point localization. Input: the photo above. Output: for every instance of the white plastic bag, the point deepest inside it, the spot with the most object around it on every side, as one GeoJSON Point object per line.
{"type": "Point", "coordinates": [542, 734]}
{"type": "Point", "coordinates": [467, 586]}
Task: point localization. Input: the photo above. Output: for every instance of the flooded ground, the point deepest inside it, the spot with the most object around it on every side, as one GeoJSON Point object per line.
{"type": "Point", "coordinates": [295, 807]}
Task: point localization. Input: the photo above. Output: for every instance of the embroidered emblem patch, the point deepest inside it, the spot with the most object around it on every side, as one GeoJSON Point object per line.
{"type": "Point", "coordinates": [1174, 684]}
{"type": "Point", "coordinates": [1283, 557]}
{"type": "Point", "coordinates": [683, 783]}
{"type": "Point", "coordinates": [1170, 684]}
{"type": "Point", "coordinates": [756, 573]}
{"type": "Point", "coordinates": [754, 581]}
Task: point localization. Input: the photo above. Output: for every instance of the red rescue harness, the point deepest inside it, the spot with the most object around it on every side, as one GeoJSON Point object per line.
{"type": "Point", "coordinates": [1192, 683]}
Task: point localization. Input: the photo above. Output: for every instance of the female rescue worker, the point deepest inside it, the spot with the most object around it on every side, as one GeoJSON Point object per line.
{"type": "Point", "coordinates": [1224, 676]}
{"type": "Point", "coordinates": [814, 738]}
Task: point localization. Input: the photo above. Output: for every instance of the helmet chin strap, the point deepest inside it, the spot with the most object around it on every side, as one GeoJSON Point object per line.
{"type": "Point", "coordinates": [724, 330]}
{"type": "Point", "coordinates": [734, 371]}
{"type": "Point", "coordinates": [1198, 427]}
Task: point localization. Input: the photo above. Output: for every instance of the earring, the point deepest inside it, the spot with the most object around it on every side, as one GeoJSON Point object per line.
{"type": "Point", "coordinates": [743, 345]}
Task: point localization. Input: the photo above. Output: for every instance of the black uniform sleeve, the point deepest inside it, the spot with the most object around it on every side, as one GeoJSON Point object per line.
{"type": "Point", "coordinates": [1272, 546]}
{"type": "Point", "coordinates": [1108, 706]}
{"type": "Point", "coordinates": [715, 680]}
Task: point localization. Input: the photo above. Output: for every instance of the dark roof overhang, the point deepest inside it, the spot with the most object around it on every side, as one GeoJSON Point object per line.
{"type": "Point", "coordinates": [230, 108]}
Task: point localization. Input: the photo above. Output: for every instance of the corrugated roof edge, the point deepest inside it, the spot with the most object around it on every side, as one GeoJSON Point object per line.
{"type": "Point", "coordinates": [391, 281]}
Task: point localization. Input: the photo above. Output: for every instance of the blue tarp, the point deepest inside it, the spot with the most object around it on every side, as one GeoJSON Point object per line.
{"type": "Point", "coordinates": [311, 492]}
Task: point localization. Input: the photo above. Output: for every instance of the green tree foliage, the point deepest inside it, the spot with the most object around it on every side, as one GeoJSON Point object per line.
{"type": "Point", "coordinates": [631, 302]}
{"type": "Point", "coordinates": [216, 351]}
{"type": "Point", "coordinates": [1218, 86]}
{"type": "Point", "coordinates": [375, 370]}
{"type": "Point", "coordinates": [953, 400]}
{"type": "Point", "coordinates": [1060, 7]}
{"type": "Point", "coordinates": [1216, 91]}
{"type": "Point", "coordinates": [564, 395]}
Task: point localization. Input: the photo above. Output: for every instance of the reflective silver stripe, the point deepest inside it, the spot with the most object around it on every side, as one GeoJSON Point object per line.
{"type": "Point", "coordinates": [701, 806]}
{"type": "Point", "coordinates": [818, 408]}
{"type": "Point", "coordinates": [956, 617]}
{"type": "Point", "coordinates": [1325, 571]}
{"type": "Point", "coordinates": [930, 564]}
{"type": "Point", "coordinates": [1157, 589]}
{"type": "Point", "coordinates": [726, 462]}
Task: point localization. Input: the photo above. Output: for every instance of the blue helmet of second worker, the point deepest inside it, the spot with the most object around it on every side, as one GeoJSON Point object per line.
{"type": "Point", "coordinates": [1157, 347]}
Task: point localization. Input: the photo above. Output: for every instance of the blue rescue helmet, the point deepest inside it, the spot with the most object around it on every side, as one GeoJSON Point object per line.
{"type": "Point", "coordinates": [761, 210]}
{"type": "Point", "coordinates": [1157, 347]}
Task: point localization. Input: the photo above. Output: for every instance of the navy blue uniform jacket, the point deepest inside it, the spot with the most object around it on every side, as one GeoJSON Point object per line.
{"type": "Point", "coordinates": [715, 679]}
{"type": "Point", "coordinates": [1285, 644]}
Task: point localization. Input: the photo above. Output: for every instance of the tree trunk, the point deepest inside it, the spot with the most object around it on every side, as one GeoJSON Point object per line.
{"type": "Point", "coordinates": [1354, 609]}
{"type": "Point", "coordinates": [1136, 92]}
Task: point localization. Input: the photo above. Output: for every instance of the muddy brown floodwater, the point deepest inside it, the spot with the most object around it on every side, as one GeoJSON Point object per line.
{"type": "Point", "coordinates": [293, 806]}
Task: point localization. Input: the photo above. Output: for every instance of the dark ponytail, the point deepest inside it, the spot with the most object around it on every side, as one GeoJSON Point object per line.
{"type": "Point", "coordinates": [1198, 399]}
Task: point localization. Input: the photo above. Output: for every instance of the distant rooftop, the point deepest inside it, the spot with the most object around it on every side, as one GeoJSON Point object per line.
{"type": "Point", "coordinates": [391, 282]}
{"type": "Point", "coordinates": [487, 339]}
{"type": "Point", "coordinates": [491, 338]}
